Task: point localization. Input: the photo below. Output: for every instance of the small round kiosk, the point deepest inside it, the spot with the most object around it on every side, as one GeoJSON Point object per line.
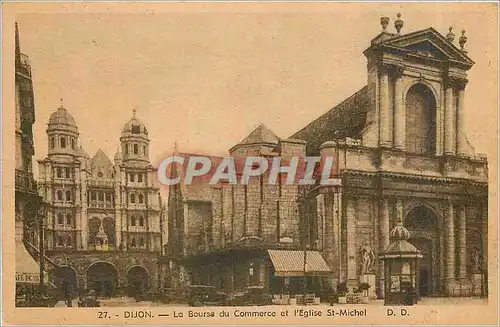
{"type": "Point", "coordinates": [401, 260]}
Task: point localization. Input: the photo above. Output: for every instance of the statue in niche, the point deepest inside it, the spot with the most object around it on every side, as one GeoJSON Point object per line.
{"type": "Point", "coordinates": [367, 259]}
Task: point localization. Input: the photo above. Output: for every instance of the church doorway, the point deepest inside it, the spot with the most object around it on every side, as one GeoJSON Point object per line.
{"type": "Point", "coordinates": [422, 223]}
{"type": "Point", "coordinates": [137, 281]}
{"type": "Point", "coordinates": [66, 282]}
{"type": "Point", "coordinates": [102, 277]}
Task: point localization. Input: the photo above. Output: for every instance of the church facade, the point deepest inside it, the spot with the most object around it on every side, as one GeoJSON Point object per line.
{"type": "Point", "coordinates": [401, 152]}
{"type": "Point", "coordinates": [103, 228]}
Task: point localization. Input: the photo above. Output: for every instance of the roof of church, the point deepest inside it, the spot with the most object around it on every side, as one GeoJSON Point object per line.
{"type": "Point", "coordinates": [129, 126]}
{"type": "Point", "coordinates": [101, 159]}
{"type": "Point", "coordinates": [346, 119]}
{"type": "Point", "coordinates": [261, 134]}
{"type": "Point", "coordinates": [62, 117]}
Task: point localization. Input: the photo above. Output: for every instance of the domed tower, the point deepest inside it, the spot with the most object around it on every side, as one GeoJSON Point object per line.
{"type": "Point", "coordinates": [60, 180]}
{"type": "Point", "coordinates": [135, 142]}
{"type": "Point", "coordinates": [62, 133]}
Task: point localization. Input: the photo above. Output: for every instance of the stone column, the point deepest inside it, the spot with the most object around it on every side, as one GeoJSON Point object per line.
{"type": "Point", "coordinates": [449, 121]}
{"type": "Point", "coordinates": [385, 132]}
{"type": "Point", "coordinates": [462, 247]}
{"type": "Point", "coordinates": [450, 246]}
{"type": "Point", "coordinates": [399, 112]}
{"type": "Point", "coordinates": [383, 240]}
{"type": "Point", "coordinates": [352, 276]}
{"type": "Point", "coordinates": [461, 140]}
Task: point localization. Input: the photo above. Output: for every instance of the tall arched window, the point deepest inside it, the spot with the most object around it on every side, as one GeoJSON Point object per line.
{"type": "Point", "coordinates": [68, 195]}
{"type": "Point", "coordinates": [132, 220]}
{"type": "Point", "coordinates": [141, 221]}
{"type": "Point", "coordinates": [136, 149]}
{"type": "Point", "coordinates": [133, 242]}
{"type": "Point", "coordinates": [59, 172]}
{"type": "Point", "coordinates": [63, 142]}
{"type": "Point", "coordinates": [52, 142]}
{"type": "Point", "coordinates": [141, 198]}
{"type": "Point", "coordinates": [60, 219]}
{"type": "Point", "coordinates": [68, 219]}
{"type": "Point", "coordinates": [141, 241]}
{"type": "Point", "coordinates": [59, 195]}
{"type": "Point", "coordinates": [132, 198]}
{"type": "Point", "coordinates": [420, 120]}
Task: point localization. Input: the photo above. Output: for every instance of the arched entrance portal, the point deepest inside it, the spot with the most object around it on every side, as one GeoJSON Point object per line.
{"type": "Point", "coordinates": [102, 277]}
{"type": "Point", "coordinates": [422, 223]}
{"type": "Point", "coordinates": [66, 282]}
{"type": "Point", "coordinates": [137, 281]}
{"type": "Point", "coordinates": [420, 120]}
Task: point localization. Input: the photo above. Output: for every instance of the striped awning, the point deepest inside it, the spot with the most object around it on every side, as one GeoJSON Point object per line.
{"type": "Point", "coordinates": [27, 269]}
{"type": "Point", "coordinates": [291, 263]}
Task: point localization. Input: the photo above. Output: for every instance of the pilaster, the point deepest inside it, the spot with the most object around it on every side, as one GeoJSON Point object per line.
{"type": "Point", "coordinates": [383, 240]}
{"type": "Point", "coordinates": [352, 278]}
{"type": "Point", "coordinates": [399, 111]}
{"type": "Point", "coordinates": [461, 139]}
{"type": "Point", "coordinates": [449, 120]}
{"type": "Point", "coordinates": [450, 249]}
{"type": "Point", "coordinates": [385, 131]}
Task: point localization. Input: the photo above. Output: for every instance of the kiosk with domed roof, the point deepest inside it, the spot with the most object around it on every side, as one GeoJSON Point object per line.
{"type": "Point", "coordinates": [400, 261]}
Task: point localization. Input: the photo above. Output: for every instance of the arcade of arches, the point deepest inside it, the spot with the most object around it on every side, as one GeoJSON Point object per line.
{"type": "Point", "coordinates": [108, 278]}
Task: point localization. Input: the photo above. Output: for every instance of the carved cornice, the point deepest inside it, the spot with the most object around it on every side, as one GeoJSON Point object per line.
{"type": "Point", "coordinates": [416, 177]}
{"type": "Point", "coordinates": [395, 69]}
{"type": "Point", "coordinates": [455, 82]}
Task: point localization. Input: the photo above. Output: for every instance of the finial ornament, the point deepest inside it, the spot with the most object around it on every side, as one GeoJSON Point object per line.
{"type": "Point", "coordinates": [61, 102]}
{"type": "Point", "coordinates": [384, 21]}
{"type": "Point", "coordinates": [450, 36]}
{"type": "Point", "coordinates": [462, 40]}
{"type": "Point", "coordinates": [398, 24]}
{"type": "Point", "coordinates": [134, 111]}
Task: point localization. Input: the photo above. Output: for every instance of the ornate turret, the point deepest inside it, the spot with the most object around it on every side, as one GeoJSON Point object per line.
{"type": "Point", "coordinates": [135, 141]}
{"type": "Point", "coordinates": [62, 132]}
{"type": "Point", "coordinates": [118, 157]}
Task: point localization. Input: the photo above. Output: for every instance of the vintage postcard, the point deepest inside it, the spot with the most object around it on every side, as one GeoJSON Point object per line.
{"type": "Point", "coordinates": [227, 163]}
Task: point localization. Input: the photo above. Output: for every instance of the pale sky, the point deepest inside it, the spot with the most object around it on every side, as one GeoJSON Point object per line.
{"type": "Point", "coordinates": [208, 79]}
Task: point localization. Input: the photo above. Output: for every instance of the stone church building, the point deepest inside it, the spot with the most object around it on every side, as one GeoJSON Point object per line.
{"type": "Point", "coordinates": [401, 151]}
{"type": "Point", "coordinates": [103, 228]}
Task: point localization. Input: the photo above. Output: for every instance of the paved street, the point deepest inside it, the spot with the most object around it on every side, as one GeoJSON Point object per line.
{"type": "Point", "coordinates": [130, 302]}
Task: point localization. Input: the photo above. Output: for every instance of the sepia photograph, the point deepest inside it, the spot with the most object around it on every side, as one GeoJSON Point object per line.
{"type": "Point", "coordinates": [284, 163]}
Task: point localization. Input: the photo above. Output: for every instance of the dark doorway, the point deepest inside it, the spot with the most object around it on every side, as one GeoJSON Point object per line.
{"type": "Point", "coordinates": [66, 282]}
{"type": "Point", "coordinates": [102, 277]}
{"type": "Point", "coordinates": [424, 281]}
{"type": "Point", "coordinates": [422, 223]}
{"type": "Point", "coordinates": [137, 281]}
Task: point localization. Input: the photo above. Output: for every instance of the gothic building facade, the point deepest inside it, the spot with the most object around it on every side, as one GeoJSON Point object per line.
{"type": "Point", "coordinates": [27, 201]}
{"type": "Point", "coordinates": [103, 227]}
{"type": "Point", "coordinates": [401, 152]}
